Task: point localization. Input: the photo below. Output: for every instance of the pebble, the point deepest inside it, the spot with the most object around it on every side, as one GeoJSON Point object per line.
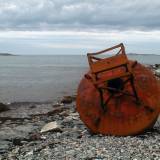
{"type": "Point", "coordinates": [74, 142]}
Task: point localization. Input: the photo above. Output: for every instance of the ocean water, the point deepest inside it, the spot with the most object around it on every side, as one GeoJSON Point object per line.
{"type": "Point", "coordinates": [46, 78]}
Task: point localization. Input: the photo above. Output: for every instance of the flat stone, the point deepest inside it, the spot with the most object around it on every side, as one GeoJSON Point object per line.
{"type": "Point", "coordinates": [28, 128]}
{"type": "Point", "coordinates": [20, 131]}
{"type": "Point", "coordinates": [8, 133]}
{"type": "Point", "coordinates": [52, 126]}
{"type": "Point", "coordinates": [4, 145]}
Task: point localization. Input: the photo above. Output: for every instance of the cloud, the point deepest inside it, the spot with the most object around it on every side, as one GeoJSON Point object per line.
{"type": "Point", "coordinates": [79, 15]}
{"type": "Point", "coordinates": [78, 26]}
{"type": "Point", "coordinates": [73, 42]}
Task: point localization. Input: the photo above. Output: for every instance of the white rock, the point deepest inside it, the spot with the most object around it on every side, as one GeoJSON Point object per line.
{"type": "Point", "coordinates": [74, 114]}
{"type": "Point", "coordinates": [157, 72]}
{"type": "Point", "coordinates": [43, 137]}
{"type": "Point", "coordinates": [29, 153]}
{"type": "Point", "coordinates": [50, 127]}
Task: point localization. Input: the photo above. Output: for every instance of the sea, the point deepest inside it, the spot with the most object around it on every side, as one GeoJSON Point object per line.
{"type": "Point", "coordinates": [48, 77]}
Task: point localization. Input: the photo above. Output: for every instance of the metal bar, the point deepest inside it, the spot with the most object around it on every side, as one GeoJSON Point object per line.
{"type": "Point", "coordinates": [106, 50]}
{"type": "Point", "coordinates": [120, 91]}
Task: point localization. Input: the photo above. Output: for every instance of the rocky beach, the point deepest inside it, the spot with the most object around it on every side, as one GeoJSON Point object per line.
{"type": "Point", "coordinates": [53, 130]}
{"type": "Point", "coordinates": [79, 80]}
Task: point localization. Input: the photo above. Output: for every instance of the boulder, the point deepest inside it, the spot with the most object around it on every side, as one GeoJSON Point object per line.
{"type": "Point", "coordinates": [3, 107]}
{"type": "Point", "coordinates": [157, 72]}
{"type": "Point", "coordinates": [157, 66]}
{"type": "Point", "coordinates": [67, 99]}
{"type": "Point", "coordinates": [17, 142]}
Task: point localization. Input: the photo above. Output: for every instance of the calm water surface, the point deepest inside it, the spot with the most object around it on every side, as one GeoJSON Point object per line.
{"type": "Point", "coordinates": [45, 78]}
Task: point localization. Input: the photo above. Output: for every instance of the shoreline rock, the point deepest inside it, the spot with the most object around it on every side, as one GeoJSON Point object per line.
{"type": "Point", "coordinates": [68, 99]}
{"type": "Point", "coordinates": [3, 107]}
{"type": "Point", "coordinates": [157, 72]}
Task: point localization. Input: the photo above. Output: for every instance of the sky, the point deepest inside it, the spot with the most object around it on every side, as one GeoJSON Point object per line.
{"type": "Point", "coordinates": [35, 27]}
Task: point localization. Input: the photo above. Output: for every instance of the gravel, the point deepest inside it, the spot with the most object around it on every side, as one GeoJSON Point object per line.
{"type": "Point", "coordinates": [74, 141]}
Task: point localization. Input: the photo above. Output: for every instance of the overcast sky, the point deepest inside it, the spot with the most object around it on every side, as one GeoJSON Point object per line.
{"type": "Point", "coordinates": [78, 26]}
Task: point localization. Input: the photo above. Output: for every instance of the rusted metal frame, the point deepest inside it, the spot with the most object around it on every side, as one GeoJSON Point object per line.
{"type": "Point", "coordinates": [104, 104]}
{"type": "Point", "coordinates": [107, 101]}
{"type": "Point", "coordinates": [90, 55]}
{"type": "Point", "coordinates": [96, 58]}
{"type": "Point", "coordinates": [134, 89]}
{"type": "Point", "coordinates": [128, 69]}
{"type": "Point", "coordinates": [109, 63]}
{"type": "Point", "coordinates": [119, 52]}
{"type": "Point", "coordinates": [131, 80]}
{"type": "Point", "coordinates": [96, 80]}
{"type": "Point", "coordinates": [89, 77]}
{"type": "Point", "coordinates": [100, 92]}
{"type": "Point", "coordinates": [119, 91]}
{"type": "Point", "coordinates": [111, 68]}
{"type": "Point", "coordinates": [126, 80]}
{"type": "Point", "coordinates": [101, 98]}
{"type": "Point", "coordinates": [134, 64]}
{"type": "Point", "coordinates": [120, 76]}
{"type": "Point", "coordinates": [106, 50]}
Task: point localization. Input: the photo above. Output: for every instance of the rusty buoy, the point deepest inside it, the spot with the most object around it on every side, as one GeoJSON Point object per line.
{"type": "Point", "coordinates": [118, 96]}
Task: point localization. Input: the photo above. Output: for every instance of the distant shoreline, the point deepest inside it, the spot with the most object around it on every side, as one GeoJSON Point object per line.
{"type": "Point", "coordinates": [6, 54]}
{"type": "Point", "coordinates": [129, 54]}
{"type": "Point", "coordinates": [142, 54]}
